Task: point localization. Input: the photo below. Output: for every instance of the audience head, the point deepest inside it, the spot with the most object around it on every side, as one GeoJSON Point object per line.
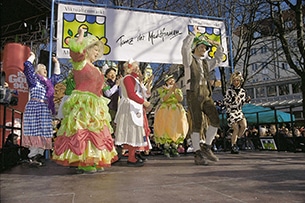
{"type": "Point", "coordinates": [110, 73]}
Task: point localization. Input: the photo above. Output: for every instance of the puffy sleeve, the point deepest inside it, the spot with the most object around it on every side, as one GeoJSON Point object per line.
{"type": "Point", "coordinates": [109, 91]}
{"type": "Point", "coordinates": [77, 53]}
{"type": "Point", "coordinates": [29, 73]}
{"type": "Point", "coordinates": [186, 52]}
{"type": "Point", "coordinates": [130, 83]}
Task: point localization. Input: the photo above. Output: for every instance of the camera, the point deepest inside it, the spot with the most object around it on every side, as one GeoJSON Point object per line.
{"type": "Point", "coordinates": [8, 96]}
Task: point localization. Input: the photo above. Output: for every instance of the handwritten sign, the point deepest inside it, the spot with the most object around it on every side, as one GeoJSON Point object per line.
{"type": "Point", "coordinates": [143, 36]}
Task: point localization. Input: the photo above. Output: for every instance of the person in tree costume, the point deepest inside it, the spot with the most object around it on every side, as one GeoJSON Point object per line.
{"type": "Point", "coordinates": [170, 124]}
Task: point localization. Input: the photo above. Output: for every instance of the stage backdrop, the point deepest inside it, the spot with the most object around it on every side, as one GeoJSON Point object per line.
{"type": "Point", "coordinates": [142, 36]}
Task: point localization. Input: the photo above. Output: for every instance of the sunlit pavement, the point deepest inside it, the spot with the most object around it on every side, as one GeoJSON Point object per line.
{"type": "Point", "coordinates": [260, 176]}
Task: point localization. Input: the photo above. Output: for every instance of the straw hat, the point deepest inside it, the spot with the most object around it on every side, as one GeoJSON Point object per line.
{"type": "Point", "coordinates": [91, 41]}
{"type": "Point", "coordinates": [167, 77]}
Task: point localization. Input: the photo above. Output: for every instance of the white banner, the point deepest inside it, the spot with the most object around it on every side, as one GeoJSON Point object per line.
{"type": "Point", "coordinates": [142, 36]}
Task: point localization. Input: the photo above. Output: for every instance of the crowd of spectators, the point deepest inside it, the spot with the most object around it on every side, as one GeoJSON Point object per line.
{"type": "Point", "coordinates": [286, 138]}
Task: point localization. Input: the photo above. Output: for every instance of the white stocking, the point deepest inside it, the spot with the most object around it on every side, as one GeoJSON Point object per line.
{"type": "Point", "coordinates": [195, 141]}
{"type": "Point", "coordinates": [210, 134]}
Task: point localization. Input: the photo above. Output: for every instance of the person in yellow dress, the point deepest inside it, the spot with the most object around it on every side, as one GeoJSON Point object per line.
{"type": "Point", "coordinates": [170, 124]}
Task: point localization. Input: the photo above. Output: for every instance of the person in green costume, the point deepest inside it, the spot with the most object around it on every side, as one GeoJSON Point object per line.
{"type": "Point", "coordinates": [170, 124]}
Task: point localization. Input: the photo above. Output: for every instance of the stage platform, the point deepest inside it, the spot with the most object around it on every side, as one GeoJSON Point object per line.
{"type": "Point", "coordinates": [259, 176]}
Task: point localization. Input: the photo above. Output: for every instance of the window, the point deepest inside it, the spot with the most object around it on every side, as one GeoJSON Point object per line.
{"type": "Point", "coordinates": [264, 49]}
{"type": "Point", "coordinates": [296, 87]}
{"type": "Point", "coordinates": [265, 71]}
{"type": "Point", "coordinates": [284, 89]}
{"type": "Point", "coordinates": [271, 91]}
{"type": "Point", "coordinates": [252, 51]}
{"type": "Point", "coordinates": [254, 67]}
{"type": "Point", "coordinates": [265, 66]}
{"type": "Point", "coordinates": [285, 66]}
{"type": "Point", "coordinates": [260, 92]}
{"type": "Point", "coordinates": [250, 92]}
{"type": "Point", "coordinates": [288, 24]}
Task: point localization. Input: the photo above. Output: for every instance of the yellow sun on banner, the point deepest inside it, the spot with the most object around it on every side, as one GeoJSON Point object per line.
{"type": "Point", "coordinates": [213, 34]}
{"type": "Point", "coordinates": [92, 24]}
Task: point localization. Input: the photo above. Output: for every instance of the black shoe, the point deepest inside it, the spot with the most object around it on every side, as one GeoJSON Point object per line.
{"type": "Point", "coordinates": [234, 149]}
{"type": "Point", "coordinates": [141, 157]}
{"type": "Point", "coordinates": [138, 163]}
{"type": "Point", "coordinates": [174, 151]}
{"type": "Point", "coordinates": [207, 152]}
{"type": "Point", "coordinates": [119, 151]}
{"type": "Point", "coordinates": [176, 154]}
{"type": "Point", "coordinates": [36, 161]}
{"type": "Point", "coordinates": [79, 171]}
{"type": "Point", "coordinates": [200, 159]}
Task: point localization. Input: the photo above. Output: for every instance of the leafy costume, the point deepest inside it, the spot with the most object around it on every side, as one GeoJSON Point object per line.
{"type": "Point", "coordinates": [170, 125]}
{"type": "Point", "coordinates": [84, 138]}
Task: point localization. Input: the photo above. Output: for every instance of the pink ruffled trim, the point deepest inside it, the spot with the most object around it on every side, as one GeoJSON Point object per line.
{"type": "Point", "coordinates": [78, 142]}
{"type": "Point", "coordinates": [37, 141]}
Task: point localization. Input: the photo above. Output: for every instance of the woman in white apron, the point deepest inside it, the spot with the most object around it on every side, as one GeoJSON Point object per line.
{"type": "Point", "coordinates": [129, 119]}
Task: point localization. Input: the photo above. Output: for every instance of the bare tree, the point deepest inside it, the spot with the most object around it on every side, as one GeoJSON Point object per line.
{"type": "Point", "coordinates": [295, 55]}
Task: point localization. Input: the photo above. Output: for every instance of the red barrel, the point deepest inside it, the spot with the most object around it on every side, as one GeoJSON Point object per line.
{"type": "Point", "coordinates": [14, 55]}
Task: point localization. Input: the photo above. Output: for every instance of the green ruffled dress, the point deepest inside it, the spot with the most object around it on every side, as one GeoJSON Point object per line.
{"type": "Point", "coordinates": [84, 138]}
